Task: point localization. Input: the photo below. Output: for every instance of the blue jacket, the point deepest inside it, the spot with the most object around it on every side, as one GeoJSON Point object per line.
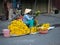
{"type": "Point", "coordinates": [26, 18]}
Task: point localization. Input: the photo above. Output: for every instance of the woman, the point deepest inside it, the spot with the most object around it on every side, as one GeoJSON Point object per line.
{"type": "Point", "coordinates": [27, 18]}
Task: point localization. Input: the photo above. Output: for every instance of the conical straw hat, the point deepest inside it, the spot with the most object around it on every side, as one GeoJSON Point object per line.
{"type": "Point", "coordinates": [27, 11]}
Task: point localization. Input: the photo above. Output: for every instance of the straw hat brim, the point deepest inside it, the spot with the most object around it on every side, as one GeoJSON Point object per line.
{"type": "Point", "coordinates": [27, 11]}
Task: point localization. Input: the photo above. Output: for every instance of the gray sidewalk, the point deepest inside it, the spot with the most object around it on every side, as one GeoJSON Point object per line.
{"type": "Point", "coordinates": [52, 38]}
{"type": "Point", "coordinates": [53, 15]}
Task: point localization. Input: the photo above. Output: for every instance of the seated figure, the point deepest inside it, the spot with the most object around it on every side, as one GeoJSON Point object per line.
{"type": "Point", "coordinates": [27, 18]}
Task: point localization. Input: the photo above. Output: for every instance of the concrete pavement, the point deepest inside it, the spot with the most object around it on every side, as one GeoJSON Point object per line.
{"type": "Point", "coordinates": [52, 38]}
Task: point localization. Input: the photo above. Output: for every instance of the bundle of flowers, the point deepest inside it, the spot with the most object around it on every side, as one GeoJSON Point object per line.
{"type": "Point", "coordinates": [44, 27]}
{"type": "Point", "coordinates": [18, 27]}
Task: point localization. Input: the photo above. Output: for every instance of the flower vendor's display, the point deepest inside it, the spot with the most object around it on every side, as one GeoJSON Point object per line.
{"type": "Point", "coordinates": [17, 28]}
{"type": "Point", "coordinates": [44, 28]}
{"type": "Point", "coordinates": [33, 30]}
{"type": "Point", "coordinates": [47, 25]}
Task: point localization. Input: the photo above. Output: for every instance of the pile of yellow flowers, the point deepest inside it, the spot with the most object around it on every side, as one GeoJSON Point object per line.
{"type": "Point", "coordinates": [47, 25]}
{"type": "Point", "coordinates": [33, 30]}
{"type": "Point", "coordinates": [44, 26]}
{"type": "Point", "coordinates": [17, 28]}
